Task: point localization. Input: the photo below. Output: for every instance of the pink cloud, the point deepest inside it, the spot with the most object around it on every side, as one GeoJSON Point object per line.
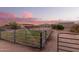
{"type": "Point", "coordinates": [26, 14]}
{"type": "Point", "coordinates": [6, 17]}
{"type": "Point", "coordinates": [11, 15]}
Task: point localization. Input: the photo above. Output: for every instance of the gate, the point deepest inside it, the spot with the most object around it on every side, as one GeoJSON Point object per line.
{"type": "Point", "coordinates": [43, 38]}
{"type": "Point", "coordinates": [68, 42]}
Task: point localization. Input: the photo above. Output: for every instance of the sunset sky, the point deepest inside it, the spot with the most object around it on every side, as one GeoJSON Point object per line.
{"type": "Point", "coordinates": [45, 13]}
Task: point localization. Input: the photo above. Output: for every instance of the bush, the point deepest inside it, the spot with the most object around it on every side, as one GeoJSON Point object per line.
{"type": "Point", "coordinates": [75, 28]}
{"type": "Point", "coordinates": [14, 25]}
{"type": "Point", "coordinates": [1, 29]}
{"type": "Point", "coordinates": [58, 27]}
{"type": "Point", "coordinates": [53, 26]}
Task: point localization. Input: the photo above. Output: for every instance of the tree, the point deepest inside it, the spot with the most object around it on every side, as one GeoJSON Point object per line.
{"type": "Point", "coordinates": [58, 26]}
{"type": "Point", "coordinates": [14, 26]}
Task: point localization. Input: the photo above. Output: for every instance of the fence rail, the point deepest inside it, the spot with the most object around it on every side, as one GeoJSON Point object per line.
{"type": "Point", "coordinates": [68, 42]}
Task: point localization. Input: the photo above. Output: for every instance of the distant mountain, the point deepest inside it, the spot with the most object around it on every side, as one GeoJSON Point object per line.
{"type": "Point", "coordinates": [34, 21]}
{"type": "Point", "coordinates": [9, 17]}
{"type": "Point", "coordinates": [44, 22]}
{"type": "Point", "coordinates": [25, 21]}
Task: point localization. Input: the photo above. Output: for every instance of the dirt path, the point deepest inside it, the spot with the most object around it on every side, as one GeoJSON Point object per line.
{"type": "Point", "coordinates": [10, 47]}
{"type": "Point", "coordinates": [51, 45]}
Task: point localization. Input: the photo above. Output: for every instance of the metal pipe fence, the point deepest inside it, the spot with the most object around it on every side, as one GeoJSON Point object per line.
{"type": "Point", "coordinates": [33, 38]}
{"type": "Point", "coordinates": [68, 42]}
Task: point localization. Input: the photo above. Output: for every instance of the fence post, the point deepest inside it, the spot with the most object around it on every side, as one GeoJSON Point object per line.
{"type": "Point", "coordinates": [25, 34]}
{"type": "Point", "coordinates": [0, 34]}
{"type": "Point", "coordinates": [14, 36]}
{"type": "Point", "coordinates": [40, 40]}
{"type": "Point", "coordinates": [57, 42]}
{"type": "Point", "coordinates": [45, 35]}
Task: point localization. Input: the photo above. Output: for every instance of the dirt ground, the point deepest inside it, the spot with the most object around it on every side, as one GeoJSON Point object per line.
{"type": "Point", "coordinates": [51, 45]}
{"type": "Point", "coordinates": [10, 47]}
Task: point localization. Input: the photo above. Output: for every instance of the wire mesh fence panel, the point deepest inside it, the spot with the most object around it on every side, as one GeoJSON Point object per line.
{"type": "Point", "coordinates": [28, 37]}
{"type": "Point", "coordinates": [44, 36]}
{"type": "Point", "coordinates": [33, 37]}
{"type": "Point", "coordinates": [20, 35]}
{"type": "Point", "coordinates": [48, 33]}
{"type": "Point", "coordinates": [7, 35]}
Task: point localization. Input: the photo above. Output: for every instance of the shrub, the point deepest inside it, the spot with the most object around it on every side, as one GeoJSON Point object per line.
{"type": "Point", "coordinates": [58, 27]}
{"type": "Point", "coordinates": [1, 29]}
{"type": "Point", "coordinates": [75, 28]}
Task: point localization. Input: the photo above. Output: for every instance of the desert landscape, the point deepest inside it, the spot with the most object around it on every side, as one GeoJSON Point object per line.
{"type": "Point", "coordinates": [31, 30]}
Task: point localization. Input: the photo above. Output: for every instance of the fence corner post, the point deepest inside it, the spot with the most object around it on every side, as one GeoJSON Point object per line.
{"type": "Point", "coordinates": [40, 40]}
